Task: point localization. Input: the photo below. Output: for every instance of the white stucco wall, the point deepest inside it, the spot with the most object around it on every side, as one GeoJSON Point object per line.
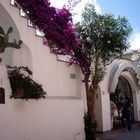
{"type": "Point", "coordinates": [103, 113]}
{"type": "Point", "coordinates": [98, 110]}
{"type": "Point", "coordinates": [60, 115]}
{"type": "Point", "coordinates": [22, 57]}
{"type": "Point", "coordinates": [50, 118]}
{"type": "Point", "coordinates": [52, 74]}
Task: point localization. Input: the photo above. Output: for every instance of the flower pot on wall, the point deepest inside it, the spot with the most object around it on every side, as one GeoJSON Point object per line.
{"type": "Point", "coordinates": [19, 93]}
{"type": "Point", "coordinates": [23, 87]}
{"type": "Point", "coordinates": [2, 49]}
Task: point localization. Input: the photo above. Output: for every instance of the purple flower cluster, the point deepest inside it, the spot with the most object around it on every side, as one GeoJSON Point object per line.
{"type": "Point", "coordinates": [55, 23]}
{"type": "Point", "coordinates": [58, 28]}
{"type": "Point", "coordinates": [79, 57]}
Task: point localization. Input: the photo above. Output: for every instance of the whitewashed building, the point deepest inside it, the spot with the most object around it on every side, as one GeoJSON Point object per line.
{"type": "Point", "coordinates": [122, 79]}
{"type": "Point", "coordinates": [60, 115]}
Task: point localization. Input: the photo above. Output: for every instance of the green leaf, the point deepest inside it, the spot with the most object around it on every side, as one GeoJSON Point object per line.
{"type": "Point", "coordinates": [10, 30]}
{"type": "Point", "coordinates": [1, 30]}
{"type": "Point", "coordinates": [30, 88]}
{"type": "Point", "coordinates": [20, 42]}
{"type": "Point", "coordinates": [13, 45]}
{"type": "Point", "coordinates": [6, 38]}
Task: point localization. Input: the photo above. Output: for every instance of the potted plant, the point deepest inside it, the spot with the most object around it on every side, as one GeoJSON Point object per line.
{"type": "Point", "coordinates": [4, 40]}
{"type": "Point", "coordinates": [23, 87]}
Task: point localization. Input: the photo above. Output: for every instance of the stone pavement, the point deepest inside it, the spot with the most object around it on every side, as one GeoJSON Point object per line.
{"type": "Point", "coordinates": [121, 134]}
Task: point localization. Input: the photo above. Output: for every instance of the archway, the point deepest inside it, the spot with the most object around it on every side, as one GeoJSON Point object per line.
{"type": "Point", "coordinates": [123, 72]}
{"type": "Point", "coordinates": [123, 89]}
{"type": "Point", "coordinates": [6, 22]}
{"type": "Point", "coordinates": [14, 57]}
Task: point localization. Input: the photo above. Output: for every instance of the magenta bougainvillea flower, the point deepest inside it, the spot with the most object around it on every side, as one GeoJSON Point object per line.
{"type": "Point", "coordinates": [55, 23]}
{"type": "Point", "coordinates": [58, 28]}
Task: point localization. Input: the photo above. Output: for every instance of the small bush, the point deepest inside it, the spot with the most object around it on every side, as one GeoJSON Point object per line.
{"type": "Point", "coordinates": [23, 86]}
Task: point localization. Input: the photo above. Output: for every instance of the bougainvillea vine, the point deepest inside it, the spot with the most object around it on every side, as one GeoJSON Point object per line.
{"type": "Point", "coordinates": [55, 23]}
{"type": "Point", "coordinates": [58, 29]}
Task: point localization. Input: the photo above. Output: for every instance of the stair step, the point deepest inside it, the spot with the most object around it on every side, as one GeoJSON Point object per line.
{"type": "Point", "coordinates": [22, 13]}
{"type": "Point", "coordinates": [14, 3]}
{"type": "Point", "coordinates": [39, 33]}
{"type": "Point", "coordinates": [30, 24]}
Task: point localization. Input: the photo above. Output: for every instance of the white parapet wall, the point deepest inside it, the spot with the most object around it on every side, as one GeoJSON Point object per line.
{"type": "Point", "coordinates": [43, 119]}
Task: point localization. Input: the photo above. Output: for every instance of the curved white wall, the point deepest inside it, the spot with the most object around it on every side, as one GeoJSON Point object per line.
{"type": "Point", "coordinates": [22, 57]}
{"type": "Point", "coordinates": [135, 92]}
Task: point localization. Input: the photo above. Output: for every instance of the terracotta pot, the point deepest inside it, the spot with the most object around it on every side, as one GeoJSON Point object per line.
{"type": "Point", "coordinates": [19, 93]}
{"type": "Point", "coordinates": [2, 49]}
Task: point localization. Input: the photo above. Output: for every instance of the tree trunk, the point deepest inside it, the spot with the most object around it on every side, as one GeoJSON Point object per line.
{"type": "Point", "coordinates": [90, 122]}
{"type": "Point", "coordinates": [90, 125]}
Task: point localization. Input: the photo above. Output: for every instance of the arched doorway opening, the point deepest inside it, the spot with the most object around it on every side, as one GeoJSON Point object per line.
{"type": "Point", "coordinates": [11, 56]}
{"type": "Point", "coordinates": [5, 22]}
{"type": "Point", "coordinates": [123, 89]}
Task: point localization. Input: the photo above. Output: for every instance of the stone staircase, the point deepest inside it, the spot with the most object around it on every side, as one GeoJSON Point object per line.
{"type": "Point", "coordinates": [22, 14]}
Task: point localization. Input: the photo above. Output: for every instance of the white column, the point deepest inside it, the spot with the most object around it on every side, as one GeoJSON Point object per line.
{"type": "Point", "coordinates": [106, 118]}
{"type": "Point", "coordinates": [136, 103]}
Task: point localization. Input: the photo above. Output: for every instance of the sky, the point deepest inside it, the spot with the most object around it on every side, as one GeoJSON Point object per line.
{"type": "Point", "coordinates": [128, 8]}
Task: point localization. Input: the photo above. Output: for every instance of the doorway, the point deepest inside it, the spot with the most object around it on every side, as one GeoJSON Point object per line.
{"type": "Point", "coordinates": [123, 89]}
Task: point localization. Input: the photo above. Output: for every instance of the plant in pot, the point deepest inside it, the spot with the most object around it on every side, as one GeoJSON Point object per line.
{"type": "Point", "coordinates": [23, 87]}
{"type": "Point", "coordinates": [4, 40]}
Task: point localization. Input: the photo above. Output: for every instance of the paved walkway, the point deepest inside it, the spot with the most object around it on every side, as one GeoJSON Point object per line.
{"type": "Point", "coordinates": [122, 134]}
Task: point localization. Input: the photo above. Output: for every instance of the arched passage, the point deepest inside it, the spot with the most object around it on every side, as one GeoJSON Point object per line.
{"type": "Point", "coordinates": [14, 57]}
{"type": "Point", "coordinates": [6, 22]}
{"type": "Point", "coordinates": [123, 82]}
{"type": "Point", "coordinates": [116, 71]}
{"type": "Point", "coordinates": [123, 89]}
